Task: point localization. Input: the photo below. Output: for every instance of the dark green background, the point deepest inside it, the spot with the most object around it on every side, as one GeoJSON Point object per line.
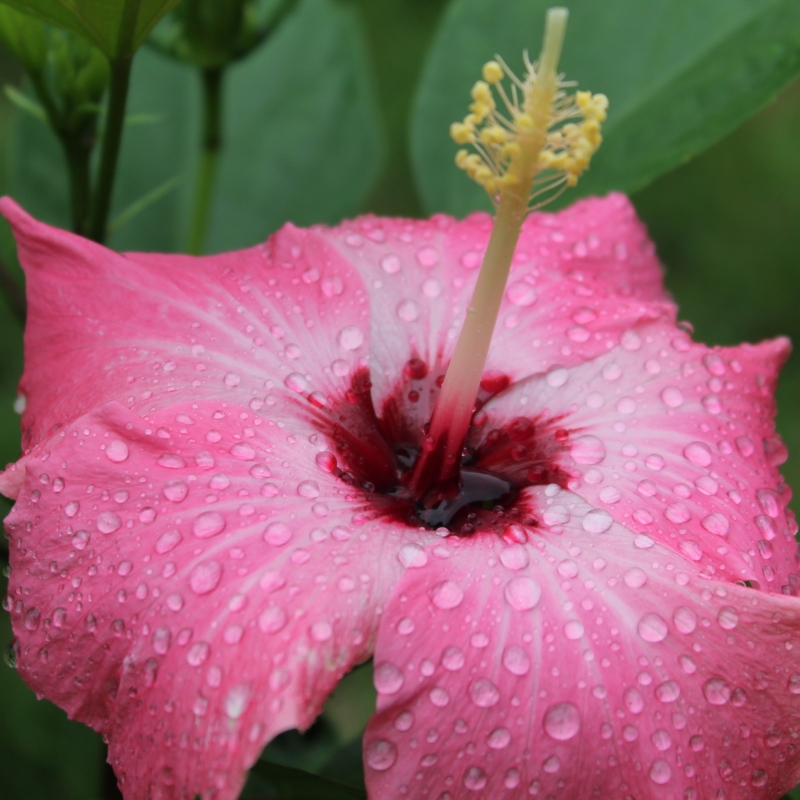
{"type": "Point", "coordinates": [726, 227]}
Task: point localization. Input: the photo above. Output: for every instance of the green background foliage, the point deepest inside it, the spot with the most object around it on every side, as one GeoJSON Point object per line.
{"type": "Point", "coordinates": [325, 119]}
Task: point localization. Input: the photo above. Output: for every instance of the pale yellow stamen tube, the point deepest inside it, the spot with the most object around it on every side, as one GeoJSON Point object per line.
{"type": "Point", "coordinates": [452, 415]}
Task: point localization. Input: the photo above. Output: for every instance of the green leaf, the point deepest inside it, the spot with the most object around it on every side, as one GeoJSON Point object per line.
{"type": "Point", "coordinates": [302, 140]}
{"type": "Point", "coordinates": [294, 784]}
{"type": "Point", "coordinates": [117, 27]}
{"type": "Point", "coordinates": [25, 103]}
{"type": "Point", "coordinates": [680, 74]}
{"type": "Point", "coordinates": [25, 38]}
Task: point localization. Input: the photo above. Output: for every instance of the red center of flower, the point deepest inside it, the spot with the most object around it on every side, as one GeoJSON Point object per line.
{"type": "Point", "coordinates": [497, 463]}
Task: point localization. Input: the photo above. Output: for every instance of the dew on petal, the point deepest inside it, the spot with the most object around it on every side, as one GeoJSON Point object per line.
{"type": "Point", "coordinates": [672, 397]}
{"type": "Point", "coordinates": [660, 772]}
{"type": "Point", "coordinates": [562, 721]}
{"type": "Point", "coordinates": [716, 523]}
{"type": "Point", "coordinates": [698, 453]}
{"type": "Point", "coordinates": [205, 577]}
{"type": "Point", "coordinates": [652, 628]}
{"type": "Point", "coordinates": [475, 779]}
{"type": "Point", "coordinates": [484, 693]}
{"type": "Point", "coordinates": [685, 619]}
{"type": "Point", "coordinates": [351, 337]}
{"type": "Point", "coordinates": [208, 524]}
{"type": "Point", "coordinates": [446, 595]}
{"type": "Point", "coordinates": [277, 534]}
{"type": "Point", "coordinates": [380, 754]}
{"type": "Point", "coordinates": [516, 661]}
{"type": "Point", "coordinates": [387, 678]}
{"type": "Point", "coordinates": [635, 578]}
{"type": "Point", "coordinates": [408, 311]}
{"type": "Point", "coordinates": [597, 521]}
{"type": "Point", "coordinates": [521, 293]}
{"type": "Point", "coordinates": [716, 691]}
{"type": "Point", "coordinates": [522, 593]}
{"type": "Point", "coordinates": [108, 522]}
{"type": "Point", "coordinates": [170, 461]}
{"type": "Point", "coordinates": [587, 449]}
{"type": "Point", "coordinates": [499, 738]}
{"type": "Point", "coordinates": [728, 618]}
{"type": "Point", "coordinates": [272, 620]}
{"type": "Point", "coordinates": [296, 382]}
{"type": "Point", "coordinates": [117, 451]}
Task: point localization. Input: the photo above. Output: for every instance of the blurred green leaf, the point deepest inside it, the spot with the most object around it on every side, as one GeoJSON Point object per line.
{"type": "Point", "coordinates": [294, 784]}
{"type": "Point", "coordinates": [680, 74]}
{"type": "Point", "coordinates": [117, 27]}
{"type": "Point", "coordinates": [301, 142]}
{"type": "Point", "coordinates": [25, 37]}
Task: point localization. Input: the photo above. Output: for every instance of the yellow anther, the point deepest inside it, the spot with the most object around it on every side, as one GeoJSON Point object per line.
{"type": "Point", "coordinates": [494, 134]}
{"type": "Point", "coordinates": [542, 127]}
{"type": "Point", "coordinates": [461, 133]}
{"type": "Point", "coordinates": [492, 72]}
{"type": "Point", "coordinates": [481, 93]}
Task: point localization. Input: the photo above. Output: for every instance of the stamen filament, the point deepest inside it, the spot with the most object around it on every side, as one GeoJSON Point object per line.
{"type": "Point", "coordinates": [453, 412]}
{"type": "Point", "coordinates": [510, 154]}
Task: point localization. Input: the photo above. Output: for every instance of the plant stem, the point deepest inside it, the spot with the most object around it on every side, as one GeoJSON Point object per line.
{"type": "Point", "coordinates": [112, 138]}
{"type": "Point", "coordinates": [78, 165]}
{"type": "Point", "coordinates": [209, 157]}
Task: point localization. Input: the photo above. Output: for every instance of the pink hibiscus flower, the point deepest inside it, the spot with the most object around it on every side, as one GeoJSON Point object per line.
{"type": "Point", "coordinates": [210, 528]}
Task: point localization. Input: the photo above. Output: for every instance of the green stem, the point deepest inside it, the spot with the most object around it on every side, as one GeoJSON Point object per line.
{"type": "Point", "coordinates": [209, 157]}
{"type": "Point", "coordinates": [78, 165]}
{"type": "Point", "coordinates": [112, 138]}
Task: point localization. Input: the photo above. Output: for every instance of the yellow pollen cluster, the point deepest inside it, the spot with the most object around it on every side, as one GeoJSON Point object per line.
{"type": "Point", "coordinates": [514, 147]}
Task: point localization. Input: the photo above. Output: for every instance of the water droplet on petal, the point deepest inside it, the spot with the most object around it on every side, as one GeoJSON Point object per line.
{"type": "Point", "coordinates": [176, 491]}
{"type": "Point", "coordinates": [277, 534]}
{"type": "Point", "coordinates": [716, 523]}
{"type": "Point", "coordinates": [168, 540]}
{"type": "Point", "coordinates": [484, 693]}
{"type": "Point", "coordinates": [308, 489]}
{"type": "Point", "coordinates": [390, 264]}
{"type": "Point", "coordinates": [475, 779]}
{"type": "Point", "coordinates": [516, 661]}
{"type": "Point", "coordinates": [387, 678]}
{"type": "Point", "coordinates": [728, 618]}
{"type": "Point", "coordinates": [296, 382]}
{"type": "Point", "coordinates": [698, 453]}
{"type": "Point", "coordinates": [685, 619]}
{"type": "Point", "coordinates": [452, 658]}
{"type": "Point", "coordinates": [660, 772]}
{"type": "Point", "coordinates": [208, 524]}
{"type": "Point", "coordinates": [587, 449]}
{"type": "Point", "coordinates": [716, 691]}
{"type": "Point", "coordinates": [170, 461]}
{"type": "Point", "coordinates": [635, 578]}
{"type": "Point", "coordinates": [562, 721]}
{"type": "Point", "coordinates": [446, 595]}
{"type": "Point", "coordinates": [272, 620]}
{"type": "Point", "coordinates": [408, 311]}
{"type": "Point", "coordinates": [652, 628]}
{"type": "Point", "coordinates": [597, 521]}
{"type": "Point", "coordinates": [522, 593]}
{"type": "Point", "coordinates": [521, 293]}
{"type": "Point", "coordinates": [205, 577]}
{"type": "Point", "coordinates": [351, 337]}
{"type": "Point", "coordinates": [117, 451]}
{"type": "Point", "coordinates": [380, 754]}
{"type": "Point", "coordinates": [514, 557]}
{"type": "Point", "coordinates": [108, 522]}
{"type": "Point", "coordinates": [668, 692]}
{"type": "Point", "coordinates": [672, 397]}
{"type": "Point", "coordinates": [499, 738]}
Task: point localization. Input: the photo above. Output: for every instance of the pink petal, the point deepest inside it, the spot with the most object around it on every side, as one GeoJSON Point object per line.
{"type": "Point", "coordinates": [183, 595]}
{"type": "Point", "coordinates": [676, 440]}
{"type": "Point", "coordinates": [582, 665]}
{"type": "Point", "coordinates": [287, 318]}
{"type": "Point", "coordinates": [579, 278]}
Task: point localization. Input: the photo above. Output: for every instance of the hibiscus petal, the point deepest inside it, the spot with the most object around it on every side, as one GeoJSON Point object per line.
{"type": "Point", "coordinates": [578, 279]}
{"type": "Point", "coordinates": [284, 318]}
{"type": "Point", "coordinates": [193, 581]}
{"type": "Point", "coordinates": [581, 665]}
{"type": "Point", "coordinates": [677, 440]}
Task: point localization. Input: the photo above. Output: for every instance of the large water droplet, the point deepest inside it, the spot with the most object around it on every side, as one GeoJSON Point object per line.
{"type": "Point", "coordinates": [446, 595]}
{"type": "Point", "coordinates": [272, 620]}
{"type": "Point", "coordinates": [562, 721]}
{"type": "Point", "coordinates": [208, 524]}
{"type": "Point", "coordinates": [176, 491]}
{"type": "Point", "coordinates": [716, 691]}
{"type": "Point", "coordinates": [108, 522]}
{"type": "Point", "coordinates": [516, 661]}
{"type": "Point", "coordinates": [522, 594]}
{"type": "Point", "coordinates": [597, 521]}
{"type": "Point", "coordinates": [205, 577]}
{"type": "Point", "coordinates": [698, 453]}
{"type": "Point", "coordinates": [277, 534]}
{"type": "Point", "coordinates": [408, 311]}
{"type": "Point", "coordinates": [652, 628]}
{"type": "Point", "coordinates": [475, 779]}
{"type": "Point", "coordinates": [521, 294]}
{"type": "Point", "coordinates": [685, 619]}
{"type": "Point", "coordinates": [499, 738]}
{"type": "Point", "coordinates": [660, 772]}
{"type": "Point", "coordinates": [587, 449]}
{"type": "Point", "coordinates": [351, 337]}
{"type": "Point", "coordinates": [387, 678]}
{"type": "Point", "coordinates": [380, 754]}
{"type": "Point", "coordinates": [484, 693]}
{"type": "Point", "coordinates": [117, 451]}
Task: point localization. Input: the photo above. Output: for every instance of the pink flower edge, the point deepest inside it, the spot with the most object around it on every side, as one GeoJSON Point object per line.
{"type": "Point", "coordinates": [191, 574]}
